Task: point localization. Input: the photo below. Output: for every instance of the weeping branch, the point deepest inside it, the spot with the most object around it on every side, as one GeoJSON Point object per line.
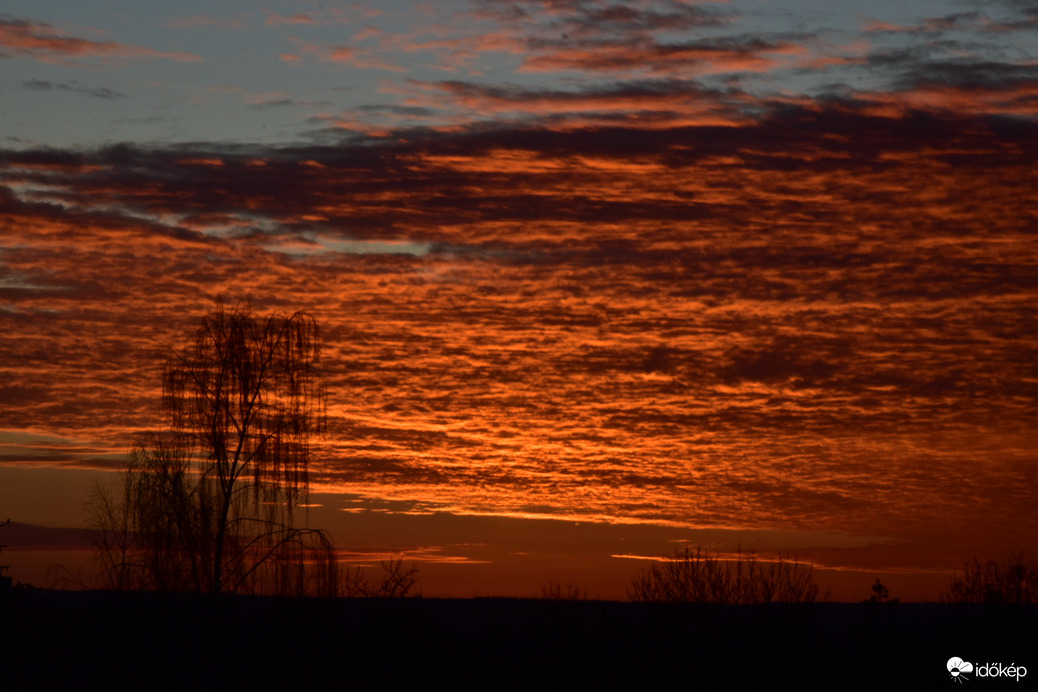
{"type": "Point", "coordinates": [211, 504]}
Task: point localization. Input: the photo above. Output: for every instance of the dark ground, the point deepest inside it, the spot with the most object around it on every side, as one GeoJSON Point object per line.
{"type": "Point", "coordinates": [55, 640]}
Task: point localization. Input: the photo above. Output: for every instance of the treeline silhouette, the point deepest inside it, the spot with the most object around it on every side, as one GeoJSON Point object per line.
{"type": "Point", "coordinates": [995, 582]}
{"type": "Point", "coordinates": [695, 576]}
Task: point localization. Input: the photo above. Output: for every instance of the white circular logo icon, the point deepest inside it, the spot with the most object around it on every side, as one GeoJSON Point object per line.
{"type": "Point", "coordinates": [957, 667]}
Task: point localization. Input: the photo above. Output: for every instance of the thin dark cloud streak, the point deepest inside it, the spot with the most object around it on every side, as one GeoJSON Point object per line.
{"type": "Point", "coordinates": [648, 55]}
{"type": "Point", "coordinates": [635, 89]}
{"type": "Point", "coordinates": [591, 18]}
{"type": "Point", "coordinates": [97, 92]}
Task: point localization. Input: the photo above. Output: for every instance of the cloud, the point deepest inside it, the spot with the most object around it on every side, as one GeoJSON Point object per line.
{"type": "Point", "coordinates": [41, 41]}
{"type": "Point", "coordinates": [1016, 15]}
{"type": "Point", "coordinates": [208, 22]}
{"type": "Point", "coordinates": [649, 103]}
{"type": "Point", "coordinates": [581, 19]}
{"type": "Point", "coordinates": [635, 54]}
{"type": "Point", "coordinates": [972, 84]}
{"type": "Point", "coordinates": [930, 26]}
{"type": "Point", "coordinates": [624, 39]}
{"type": "Point", "coordinates": [967, 74]}
{"type": "Point", "coordinates": [352, 56]}
{"type": "Point", "coordinates": [97, 92]}
{"type": "Point", "coordinates": [588, 21]}
{"type": "Point", "coordinates": [295, 19]}
{"type": "Point", "coordinates": [265, 99]}
{"type": "Point", "coordinates": [649, 38]}
{"type": "Point", "coordinates": [582, 173]}
{"type": "Point", "coordinates": [814, 303]}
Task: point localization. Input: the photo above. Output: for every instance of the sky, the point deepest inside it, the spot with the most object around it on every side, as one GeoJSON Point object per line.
{"type": "Point", "coordinates": [594, 279]}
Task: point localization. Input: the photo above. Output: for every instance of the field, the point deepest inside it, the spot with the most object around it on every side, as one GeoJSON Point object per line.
{"type": "Point", "coordinates": [146, 641]}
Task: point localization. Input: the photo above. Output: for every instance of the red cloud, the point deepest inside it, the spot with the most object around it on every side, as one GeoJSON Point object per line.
{"type": "Point", "coordinates": [659, 58]}
{"type": "Point", "coordinates": [41, 41]}
{"type": "Point", "coordinates": [345, 55]}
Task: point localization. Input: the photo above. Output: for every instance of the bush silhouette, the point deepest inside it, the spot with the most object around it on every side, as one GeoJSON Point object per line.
{"type": "Point", "coordinates": [694, 576]}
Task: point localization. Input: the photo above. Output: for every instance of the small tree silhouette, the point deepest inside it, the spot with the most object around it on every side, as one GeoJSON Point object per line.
{"type": "Point", "coordinates": [5, 581]}
{"type": "Point", "coordinates": [211, 504]}
{"type": "Point", "coordinates": [697, 577]}
{"type": "Point", "coordinates": [881, 596]}
{"type": "Point", "coordinates": [397, 581]}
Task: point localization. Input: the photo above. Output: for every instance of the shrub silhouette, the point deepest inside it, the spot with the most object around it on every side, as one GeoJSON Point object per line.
{"type": "Point", "coordinates": [1014, 581]}
{"type": "Point", "coordinates": [210, 505]}
{"type": "Point", "coordinates": [694, 576]}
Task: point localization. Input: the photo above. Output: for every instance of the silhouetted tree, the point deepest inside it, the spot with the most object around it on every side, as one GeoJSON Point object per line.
{"type": "Point", "coordinates": [881, 595]}
{"type": "Point", "coordinates": [211, 504]}
{"type": "Point", "coordinates": [694, 576]}
{"type": "Point", "coordinates": [1014, 580]}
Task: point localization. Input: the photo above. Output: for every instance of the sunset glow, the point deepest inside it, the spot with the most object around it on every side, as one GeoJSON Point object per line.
{"type": "Point", "coordinates": [592, 279]}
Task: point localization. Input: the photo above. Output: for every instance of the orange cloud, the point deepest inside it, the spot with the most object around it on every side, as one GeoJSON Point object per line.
{"type": "Point", "coordinates": [658, 59]}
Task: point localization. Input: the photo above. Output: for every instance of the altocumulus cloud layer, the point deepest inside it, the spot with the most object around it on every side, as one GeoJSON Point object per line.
{"type": "Point", "coordinates": [663, 293]}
